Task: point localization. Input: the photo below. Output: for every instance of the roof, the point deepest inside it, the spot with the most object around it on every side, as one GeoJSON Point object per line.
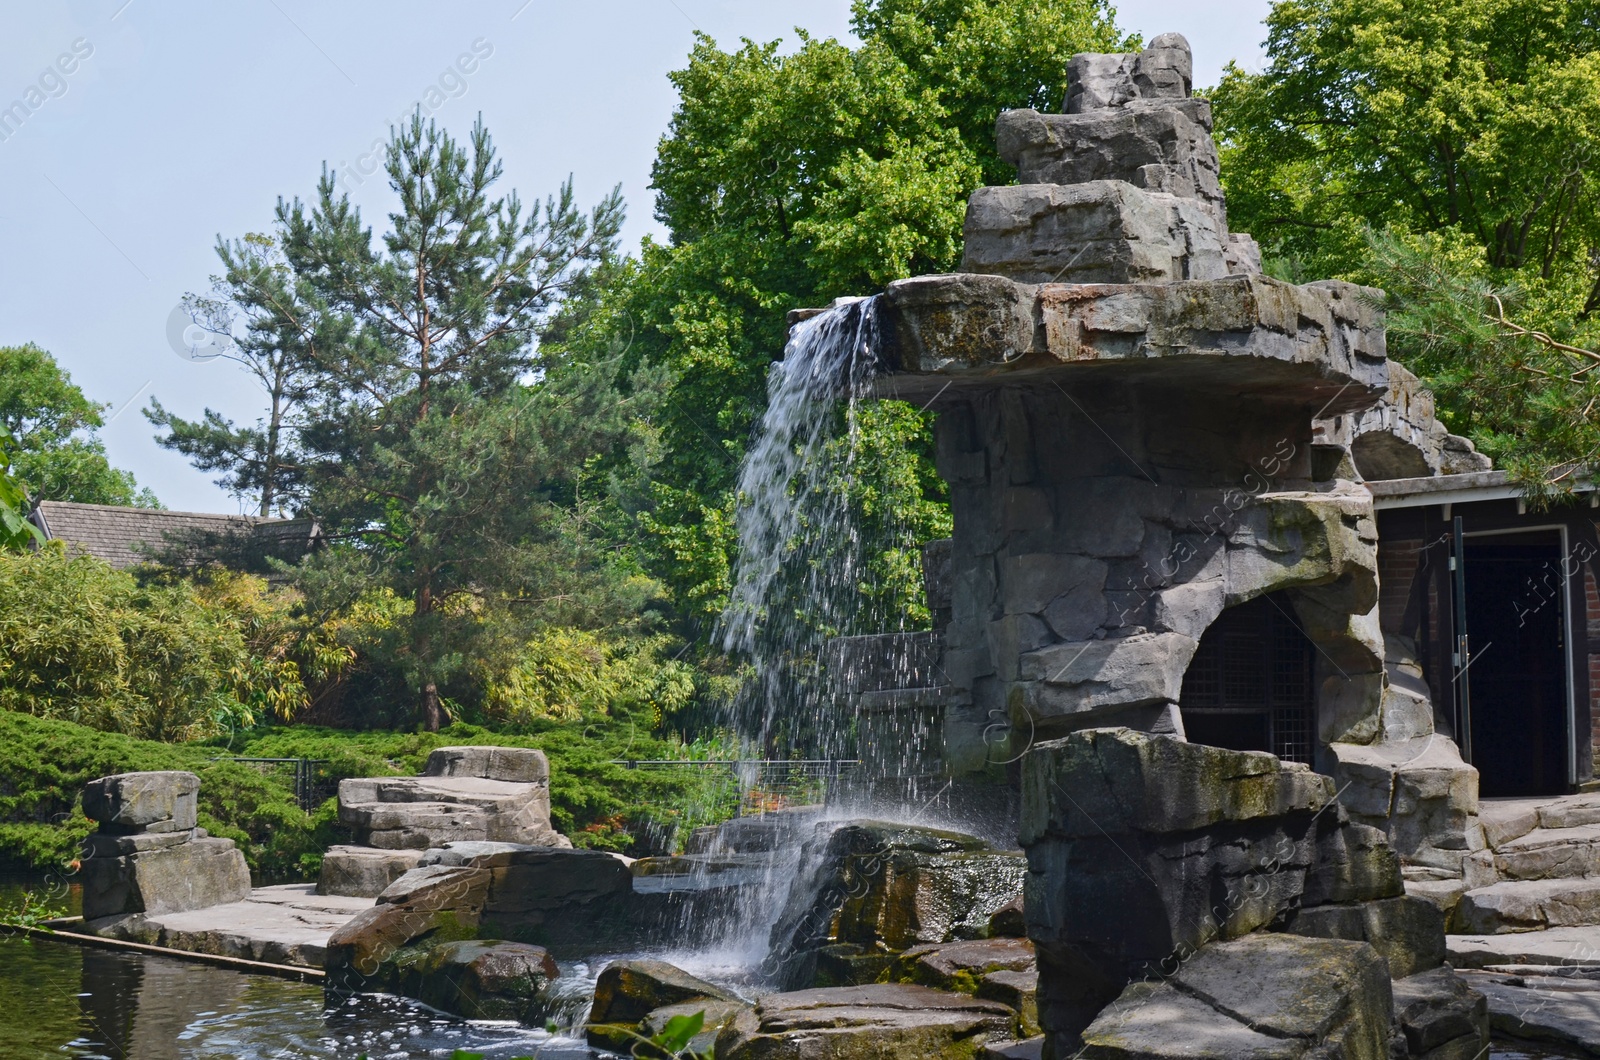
{"type": "Point", "coordinates": [1450, 489]}
{"type": "Point", "coordinates": [113, 533]}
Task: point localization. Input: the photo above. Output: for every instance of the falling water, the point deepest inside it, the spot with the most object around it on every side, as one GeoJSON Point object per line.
{"type": "Point", "coordinates": [801, 554]}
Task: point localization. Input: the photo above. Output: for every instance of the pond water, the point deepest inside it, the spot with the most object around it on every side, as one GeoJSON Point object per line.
{"type": "Point", "coordinates": [58, 999]}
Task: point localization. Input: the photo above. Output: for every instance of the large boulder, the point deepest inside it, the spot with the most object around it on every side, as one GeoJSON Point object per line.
{"type": "Point", "coordinates": [433, 904]}
{"type": "Point", "coordinates": [865, 1023]}
{"type": "Point", "coordinates": [1407, 931]}
{"type": "Point", "coordinates": [147, 857]}
{"type": "Point", "coordinates": [193, 874]}
{"type": "Point", "coordinates": [160, 801]}
{"type": "Point", "coordinates": [1141, 847]}
{"type": "Point", "coordinates": [627, 992]}
{"type": "Point", "coordinates": [1259, 997]}
{"type": "Point", "coordinates": [1441, 1016]}
{"type": "Point", "coordinates": [363, 872]}
{"type": "Point", "coordinates": [883, 888]}
{"type": "Point", "coordinates": [518, 765]}
{"type": "Point", "coordinates": [491, 980]}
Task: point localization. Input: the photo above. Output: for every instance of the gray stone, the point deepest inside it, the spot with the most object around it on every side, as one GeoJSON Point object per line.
{"type": "Point", "coordinates": [192, 875]}
{"type": "Point", "coordinates": [715, 1016]}
{"type": "Point", "coordinates": [111, 845]}
{"type": "Point", "coordinates": [1419, 792]}
{"type": "Point", "coordinates": [487, 980]}
{"type": "Point", "coordinates": [284, 924]}
{"type": "Point", "coordinates": [1165, 148]}
{"type": "Point", "coordinates": [519, 765]}
{"type": "Point", "coordinates": [1528, 905]}
{"type": "Point", "coordinates": [1560, 1011]}
{"type": "Point", "coordinates": [628, 991]}
{"type": "Point", "coordinates": [1354, 863]}
{"type": "Point", "coordinates": [889, 887]}
{"type": "Point", "coordinates": [1103, 231]}
{"type": "Point", "coordinates": [858, 1023]}
{"type": "Point", "coordinates": [423, 902]}
{"type": "Point", "coordinates": [549, 882]}
{"type": "Point", "coordinates": [756, 833]}
{"type": "Point", "coordinates": [1558, 949]}
{"type": "Point", "coordinates": [363, 872]}
{"type": "Point", "coordinates": [420, 812]}
{"type": "Point", "coordinates": [1164, 71]}
{"type": "Point", "coordinates": [1256, 997]}
{"type": "Point", "coordinates": [163, 801]}
{"type": "Point", "coordinates": [1408, 932]}
{"type": "Point", "coordinates": [960, 965]}
{"type": "Point", "coordinates": [1438, 1009]}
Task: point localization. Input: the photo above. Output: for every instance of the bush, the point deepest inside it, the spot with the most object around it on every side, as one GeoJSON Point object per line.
{"type": "Point", "coordinates": [45, 763]}
{"type": "Point", "coordinates": [82, 642]}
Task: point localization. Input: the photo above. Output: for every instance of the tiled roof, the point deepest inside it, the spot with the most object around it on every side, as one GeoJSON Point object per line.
{"type": "Point", "coordinates": [111, 533]}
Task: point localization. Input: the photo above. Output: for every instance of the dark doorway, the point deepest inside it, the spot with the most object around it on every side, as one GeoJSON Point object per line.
{"type": "Point", "coordinates": [1516, 621]}
{"type": "Point", "coordinates": [1250, 687]}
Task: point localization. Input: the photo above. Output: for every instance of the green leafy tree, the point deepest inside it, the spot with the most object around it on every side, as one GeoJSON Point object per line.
{"type": "Point", "coordinates": [790, 179]}
{"type": "Point", "coordinates": [1482, 115]}
{"type": "Point", "coordinates": [16, 531]}
{"type": "Point", "coordinates": [431, 440]}
{"type": "Point", "coordinates": [282, 327]}
{"type": "Point", "coordinates": [55, 450]}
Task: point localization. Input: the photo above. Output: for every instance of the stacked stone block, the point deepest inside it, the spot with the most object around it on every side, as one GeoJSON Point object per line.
{"type": "Point", "coordinates": [465, 794]}
{"type": "Point", "coordinates": [147, 856]}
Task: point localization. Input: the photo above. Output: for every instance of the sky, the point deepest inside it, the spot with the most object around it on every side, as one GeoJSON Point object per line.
{"type": "Point", "coordinates": [157, 125]}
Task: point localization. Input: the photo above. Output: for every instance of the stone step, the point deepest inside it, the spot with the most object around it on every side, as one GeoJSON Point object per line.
{"type": "Point", "coordinates": [1528, 905]}
{"type": "Point", "coordinates": [1569, 949]}
{"type": "Point", "coordinates": [1570, 852]}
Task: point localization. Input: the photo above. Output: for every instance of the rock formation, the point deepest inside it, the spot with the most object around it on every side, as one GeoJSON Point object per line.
{"type": "Point", "coordinates": [465, 794]}
{"type": "Point", "coordinates": [147, 857]}
{"type": "Point", "coordinates": [1140, 431]}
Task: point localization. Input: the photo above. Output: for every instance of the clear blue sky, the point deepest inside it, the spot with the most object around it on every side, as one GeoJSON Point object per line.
{"type": "Point", "coordinates": [182, 119]}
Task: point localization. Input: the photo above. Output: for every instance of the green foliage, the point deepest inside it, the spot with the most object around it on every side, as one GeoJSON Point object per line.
{"type": "Point", "coordinates": [31, 911]}
{"type": "Point", "coordinates": [46, 763]}
{"type": "Point", "coordinates": [52, 428]}
{"type": "Point", "coordinates": [1477, 114]}
{"type": "Point", "coordinates": [1526, 395]}
{"type": "Point", "coordinates": [788, 180]}
{"type": "Point", "coordinates": [16, 531]}
{"type": "Point", "coordinates": [84, 642]}
{"type": "Point", "coordinates": [412, 413]}
{"type": "Point", "coordinates": [1463, 133]}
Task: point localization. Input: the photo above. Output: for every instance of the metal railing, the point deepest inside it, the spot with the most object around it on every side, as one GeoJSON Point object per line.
{"type": "Point", "coordinates": [310, 789]}
{"type": "Point", "coordinates": [764, 784]}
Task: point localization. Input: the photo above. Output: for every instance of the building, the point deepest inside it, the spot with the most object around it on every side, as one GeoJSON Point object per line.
{"type": "Point", "coordinates": [127, 537]}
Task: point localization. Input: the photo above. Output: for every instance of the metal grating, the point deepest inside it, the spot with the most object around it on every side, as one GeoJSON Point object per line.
{"type": "Point", "coordinates": [1250, 685]}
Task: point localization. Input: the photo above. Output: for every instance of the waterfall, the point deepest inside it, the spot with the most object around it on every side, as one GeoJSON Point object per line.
{"type": "Point", "coordinates": [801, 554]}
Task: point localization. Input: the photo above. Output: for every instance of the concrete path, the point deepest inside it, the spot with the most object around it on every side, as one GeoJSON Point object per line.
{"type": "Point", "coordinates": [288, 924]}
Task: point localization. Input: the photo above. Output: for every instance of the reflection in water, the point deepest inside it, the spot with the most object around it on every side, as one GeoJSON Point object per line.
{"type": "Point", "coordinates": [60, 999]}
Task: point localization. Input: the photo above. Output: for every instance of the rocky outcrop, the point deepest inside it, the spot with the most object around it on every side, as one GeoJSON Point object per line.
{"type": "Point", "coordinates": [499, 794]}
{"type": "Point", "coordinates": [1143, 850]}
{"type": "Point", "coordinates": [863, 1023]}
{"type": "Point", "coordinates": [632, 999]}
{"type": "Point", "coordinates": [465, 794]}
{"type": "Point", "coordinates": [147, 857]}
{"type": "Point", "coordinates": [487, 980]}
{"type": "Point", "coordinates": [1263, 996]}
{"type": "Point", "coordinates": [1441, 1016]}
{"type": "Point", "coordinates": [878, 888]}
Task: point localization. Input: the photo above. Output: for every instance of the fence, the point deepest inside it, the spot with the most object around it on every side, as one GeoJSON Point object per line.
{"type": "Point", "coordinates": [312, 787]}
{"type": "Point", "coordinates": [763, 784]}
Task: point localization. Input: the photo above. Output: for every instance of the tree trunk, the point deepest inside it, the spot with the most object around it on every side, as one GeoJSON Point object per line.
{"type": "Point", "coordinates": [432, 708]}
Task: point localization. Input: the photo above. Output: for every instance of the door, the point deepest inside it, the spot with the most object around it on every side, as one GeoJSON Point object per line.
{"type": "Point", "coordinates": [1516, 612]}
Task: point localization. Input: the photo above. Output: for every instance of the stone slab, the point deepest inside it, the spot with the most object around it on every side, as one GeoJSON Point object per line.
{"type": "Point", "coordinates": [882, 1020]}
{"type": "Point", "coordinates": [1262, 996]}
{"type": "Point", "coordinates": [1565, 1012]}
{"type": "Point", "coordinates": [363, 872]}
{"type": "Point", "coordinates": [1570, 947]}
{"type": "Point", "coordinates": [288, 924]}
{"type": "Point", "coordinates": [522, 765]}
{"type": "Point", "coordinates": [191, 875]}
{"type": "Point", "coordinates": [1528, 905]}
{"type": "Point", "coordinates": [156, 801]}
